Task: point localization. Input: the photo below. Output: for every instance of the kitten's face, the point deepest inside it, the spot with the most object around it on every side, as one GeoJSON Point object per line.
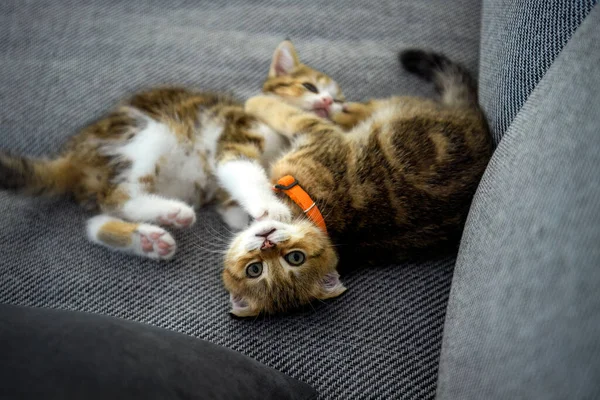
{"type": "Point", "coordinates": [273, 267]}
{"type": "Point", "coordinates": [300, 85]}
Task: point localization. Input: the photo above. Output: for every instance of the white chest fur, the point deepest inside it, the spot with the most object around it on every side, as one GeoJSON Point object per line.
{"type": "Point", "coordinates": [178, 167]}
{"type": "Point", "coordinates": [183, 168]}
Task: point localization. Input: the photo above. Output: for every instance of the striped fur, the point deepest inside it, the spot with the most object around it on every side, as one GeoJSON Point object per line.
{"type": "Point", "coordinates": [164, 152]}
{"type": "Point", "coordinates": [398, 184]}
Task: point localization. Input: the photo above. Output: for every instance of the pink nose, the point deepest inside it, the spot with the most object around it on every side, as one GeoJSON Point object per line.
{"type": "Point", "coordinates": [327, 101]}
{"type": "Point", "coordinates": [267, 244]}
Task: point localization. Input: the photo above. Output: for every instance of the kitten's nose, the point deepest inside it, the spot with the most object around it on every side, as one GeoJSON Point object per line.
{"type": "Point", "coordinates": [267, 244]}
{"type": "Point", "coordinates": [327, 101]}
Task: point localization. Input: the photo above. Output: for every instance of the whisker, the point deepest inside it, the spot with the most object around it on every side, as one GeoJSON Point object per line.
{"type": "Point", "coordinates": [203, 241]}
{"type": "Point", "coordinates": [216, 234]}
{"type": "Point", "coordinates": [324, 302]}
{"type": "Point", "coordinates": [222, 253]}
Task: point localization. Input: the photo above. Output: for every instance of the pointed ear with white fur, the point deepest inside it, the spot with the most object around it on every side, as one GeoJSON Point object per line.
{"type": "Point", "coordinates": [330, 286]}
{"type": "Point", "coordinates": [240, 307]}
{"type": "Point", "coordinates": [285, 59]}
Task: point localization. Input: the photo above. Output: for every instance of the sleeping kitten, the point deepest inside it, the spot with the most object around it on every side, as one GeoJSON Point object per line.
{"type": "Point", "coordinates": [164, 152]}
{"type": "Point", "coordinates": [400, 181]}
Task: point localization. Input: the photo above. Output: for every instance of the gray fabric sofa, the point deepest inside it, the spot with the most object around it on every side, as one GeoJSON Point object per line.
{"type": "Point", "coordinates": [516, 315]}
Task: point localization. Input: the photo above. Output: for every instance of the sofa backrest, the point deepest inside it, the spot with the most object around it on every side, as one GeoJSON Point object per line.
{"type": "Point", "coordinates": [519, 41]}
{"type": "Point", "coordinates": [523, 319]}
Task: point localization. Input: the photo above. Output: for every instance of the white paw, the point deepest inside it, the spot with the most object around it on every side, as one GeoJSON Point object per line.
{"type": "Point", "coordinates": [153, 242]}
{"type": "Point", "coordinates": [235, 217]}
{"type": "Point", "coordinates": [273, 209]}
{"type": "Point", "coordinates": [179, 216]}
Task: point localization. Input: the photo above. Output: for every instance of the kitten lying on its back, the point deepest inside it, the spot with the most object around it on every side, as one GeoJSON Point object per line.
{"type": "Point", "coordinates": [400, 181]}
{"type": "Point", "coordinates": [165, 151]}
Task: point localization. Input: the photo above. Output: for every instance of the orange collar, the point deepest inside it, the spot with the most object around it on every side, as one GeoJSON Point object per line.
{"type": "Point", "coordinates": [290, 186]}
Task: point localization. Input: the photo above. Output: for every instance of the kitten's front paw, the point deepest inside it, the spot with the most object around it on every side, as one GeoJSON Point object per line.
{"type": "Point", "coordinates": [274, 210]}
{"type": "Point", "coordinates": [236, 218]}
{"type": "Point", "coordinates": [254, 105]}
{"type": "Point", "coordinates": [351, 114]}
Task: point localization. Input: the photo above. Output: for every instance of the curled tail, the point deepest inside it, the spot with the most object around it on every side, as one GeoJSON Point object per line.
{"type": "Point", "coordinates": [37, 176]}
{"type": "Point", "coordinates": [454, 83]}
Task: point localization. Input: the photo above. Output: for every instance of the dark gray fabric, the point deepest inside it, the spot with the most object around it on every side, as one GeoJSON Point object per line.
{"type": "Point", "coordinates": [62, 63]}
{"type": "Point", "coordinates": [523, 319]}
{"type": "Point", "coordinates": [65, 355]}
{"type": "Point", "coordinates": [519, 41]}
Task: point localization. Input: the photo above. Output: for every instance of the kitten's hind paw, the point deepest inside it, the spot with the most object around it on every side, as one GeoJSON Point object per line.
{"type": "Point", "coordinates": [180, 216]}
{"type": "Point", "coordinates": [153, 242]}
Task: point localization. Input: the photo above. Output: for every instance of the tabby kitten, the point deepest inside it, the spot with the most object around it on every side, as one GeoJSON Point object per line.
{"type": "Point", "coordinates": [401, 181]}
{"type": "Point", "coordinates": [164, 152]}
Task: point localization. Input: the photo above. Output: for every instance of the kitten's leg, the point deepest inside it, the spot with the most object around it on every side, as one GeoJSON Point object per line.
{"type": "Point", "coordinates": [234, 216]}
{"type": "Point", "coordinates": [247, 183]}
{"type": "Point", "coordinates": [240, 173]}
{"type": "Point", "coordinates": [286, 119]}
{"type": "Point", "coordinates": [157, 209]}
{"type": "Point", "coordinates": [140, 239]}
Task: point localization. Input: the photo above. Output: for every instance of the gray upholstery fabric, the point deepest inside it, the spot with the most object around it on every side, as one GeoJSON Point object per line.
{"type": "Point", "coordinates": [519, 41]}
{"type": "Point", "coordinates": [64, 63]}
{"type": "Point", "coordinates": [67, 355]}
{"type": "Point", "coordinates": [523, 319]}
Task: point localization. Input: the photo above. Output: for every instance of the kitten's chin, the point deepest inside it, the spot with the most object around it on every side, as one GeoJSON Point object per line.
{"type": "Point", "coordinates": [321, 112]}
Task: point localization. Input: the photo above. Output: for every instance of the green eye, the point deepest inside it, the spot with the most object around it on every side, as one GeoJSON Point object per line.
{"type": "Point", "coordinates": [311, 87]}
{"type": "Point", "coordinates": [295, 258]}
{"type": "Point", "coordinates": [254, 270]}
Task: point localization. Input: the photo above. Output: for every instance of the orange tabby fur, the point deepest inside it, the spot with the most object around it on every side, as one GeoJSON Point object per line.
{"type": "Point", "coordinates": [165, 151]}
{"type": "Point", "coordinates": [399, 183]}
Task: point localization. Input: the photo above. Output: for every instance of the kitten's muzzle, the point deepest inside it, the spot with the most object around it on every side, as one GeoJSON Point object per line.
{"type": "Point", "coordinates": [323, 107]}
{"type": "Point", "coordinates": [267, 244]}
{"type": "Point", "coordinates": [266, 234]}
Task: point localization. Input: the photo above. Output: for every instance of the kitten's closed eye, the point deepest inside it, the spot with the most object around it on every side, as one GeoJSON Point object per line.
{"type": "Point", "coordinates": [310, 87]}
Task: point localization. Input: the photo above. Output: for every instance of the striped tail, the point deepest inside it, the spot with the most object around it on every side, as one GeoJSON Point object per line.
{"type": "Point", "coordinates": [454, 83]}
{"type": "Point", "coordinates": [37, 176]}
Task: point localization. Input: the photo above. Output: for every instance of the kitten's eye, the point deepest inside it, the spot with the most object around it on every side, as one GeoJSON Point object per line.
{"type": "Point", "coordinates": [338, 101]}
{"type": "Point", "coordinates": [254, 270]}
{"type": "Point", "coordinates": [295, 258]}
{"type": "Point", "coordinates": [311, 87]}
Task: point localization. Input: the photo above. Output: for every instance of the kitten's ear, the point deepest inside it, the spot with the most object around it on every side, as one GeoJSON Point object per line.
{"type": "Point", "coordinates": [330, 286]}
{"type": "Point", "coordinates": [240, 307]}
{"type": "Point", "coordinates": [285, 59]}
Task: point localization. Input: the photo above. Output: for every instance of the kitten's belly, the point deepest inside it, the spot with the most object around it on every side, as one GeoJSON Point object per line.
{"type": "Point", "coordinates": [186, 171]}
{"type": "Point", "coordinates": [186, 176]}
{"type": "Point", "coordinates": [170, 165]}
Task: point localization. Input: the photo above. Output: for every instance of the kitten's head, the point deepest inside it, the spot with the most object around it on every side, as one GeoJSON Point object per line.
{"type": "Point", "coordinates": [300, 85]}
{"type": "Point", "coordinates": [273, 267]}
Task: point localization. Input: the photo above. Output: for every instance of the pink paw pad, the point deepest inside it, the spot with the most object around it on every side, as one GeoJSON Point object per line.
{"type": "Point", "coordinates": [182, 218]}
{"type": "Point", "coordinates": [185, 221]}
{"type": "Point", "coordinates": [148, 243]}
{"type": "Point", "coordinates": [155, 243]}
